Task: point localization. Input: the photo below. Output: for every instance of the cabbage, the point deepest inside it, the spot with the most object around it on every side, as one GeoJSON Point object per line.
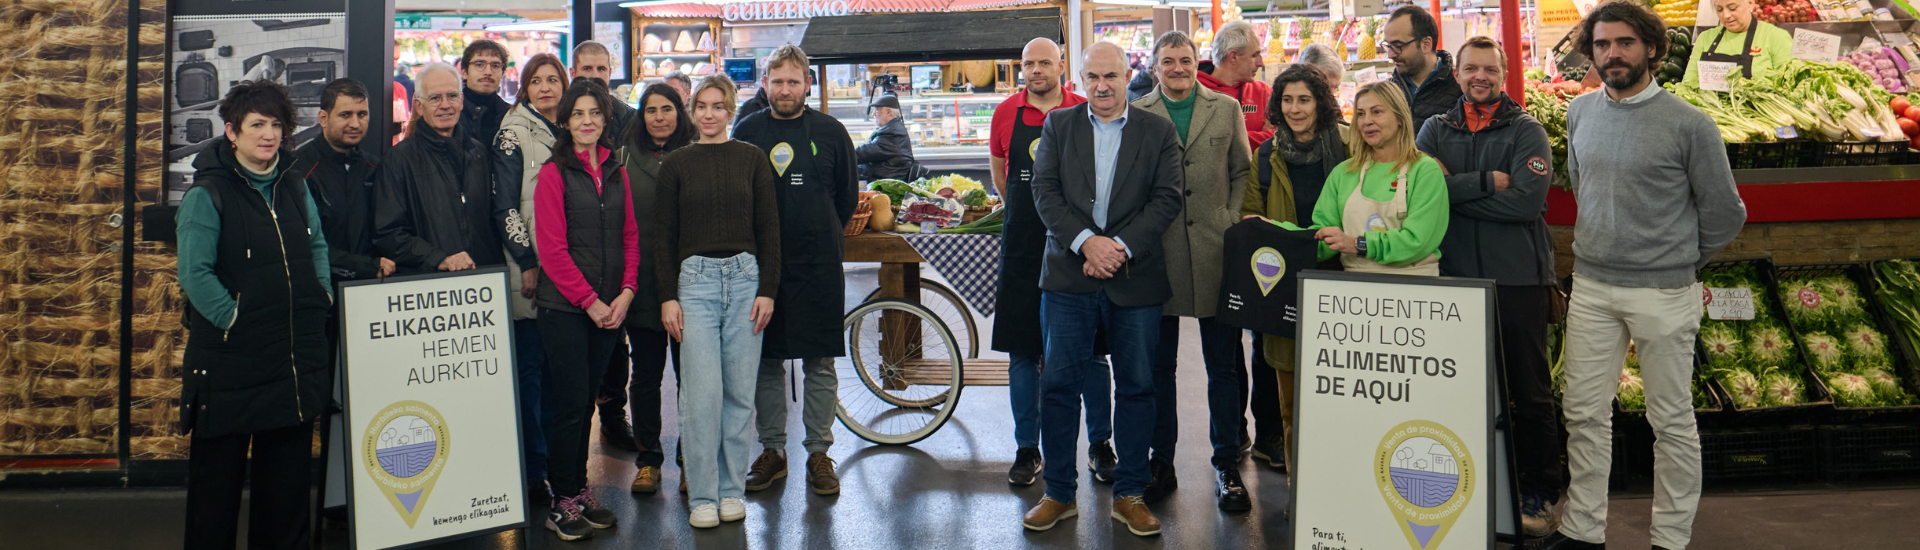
{"type": "Point", "coordinates": [1823, 350]}
{"type": "Point", "coordinates": [1852, 390]}
{"type": "Point", "coordinates": [1633, 391]}
{"type": "Point", "coordinates": [1769, 345]}
{"type": "Point", "coordinates": [1722, 343]}
{"type": "Point", "coordinates": [1779, 389]}
{"type": "Point", "coordinates": [1743, 387]}
{"type": "Point", "coordinates": [1868, 346]}
{"type": "Point", "coordinates": [1886, 386]}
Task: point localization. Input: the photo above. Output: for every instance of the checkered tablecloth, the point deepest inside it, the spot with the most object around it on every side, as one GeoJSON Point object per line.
{"type": "Point", "coordinates": [970, 262]}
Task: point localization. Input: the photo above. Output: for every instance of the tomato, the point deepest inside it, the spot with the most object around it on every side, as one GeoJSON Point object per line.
{"type": "Point", "coordinates": [1909, 127]}
{"type": "Point", "coordinates": [1900, 105]}
{"type": "Point", "coordinates": [1913, 113]}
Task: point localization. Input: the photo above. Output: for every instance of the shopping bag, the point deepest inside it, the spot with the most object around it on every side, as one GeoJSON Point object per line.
{"type": "Point", "coordinates": [1260, 262]}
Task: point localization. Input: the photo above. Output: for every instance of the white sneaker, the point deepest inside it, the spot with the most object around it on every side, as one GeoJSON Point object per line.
{"type": "Point", "coordinates": [704, 516]}
{"type": "Point", "coordinates": [732, 509]}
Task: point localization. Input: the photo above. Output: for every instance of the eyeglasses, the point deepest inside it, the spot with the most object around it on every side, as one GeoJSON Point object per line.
{"type": "Point", "coordinates": [1396, 47]}
{"type": "Point", "coordinates": [437, 98]}
{"type": "Point", "coordinates": [495, 65]}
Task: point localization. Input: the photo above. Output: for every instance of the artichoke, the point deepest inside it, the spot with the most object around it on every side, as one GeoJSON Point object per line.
{"type": "Point", "coordinates": [1769, 345]}
{"type": "Point", "coordinates": [1632, 392]}
{"type": "Point", "coordinates": [1743, 387]}
{"type": "Point", "coordinates": [1824, 351]}
{"type": "Point", "coordinates": [1779, 389]}
{"type": "Point", "coordinates": [1852, 390]}
{"type": "Point", "coordinates": [1722, 343]}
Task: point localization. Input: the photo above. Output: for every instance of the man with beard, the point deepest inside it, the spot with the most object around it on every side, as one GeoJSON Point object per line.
{"type": "Point", "coordinates": [435, 208]}
{"type": "Point", "coordinates": [1423, 71]}
{"type": "Point", "coordinates": [591, 60]}
{"type": "Point", "coordinates": [1499, 165]}
{"type": "Point", "coordinates": [1654, 208]}
{"type": "Point", "coordinates": [819, 187]}
{"type": "Point", "coordinates": [1236, 60]}
{"type": "Point", "coordinates": [1023, 248]}
{"type": "Point", "coordinates": [342, 188]}
{"type": "Point", "coordinates": [483, 65]}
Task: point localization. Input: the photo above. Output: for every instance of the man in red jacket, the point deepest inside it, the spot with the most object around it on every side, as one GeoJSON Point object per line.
{"type": "Point", "coordinates": [1236, 59]}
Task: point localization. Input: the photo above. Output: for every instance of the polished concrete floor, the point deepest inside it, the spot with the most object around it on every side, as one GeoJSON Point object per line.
{"type": "Point", "coordinates": [950, 492]}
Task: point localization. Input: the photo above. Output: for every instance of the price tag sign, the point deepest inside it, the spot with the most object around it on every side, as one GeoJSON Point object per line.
{"type": "Point", "coordinates": [1786, 132]}
{"type": "Point", "coordinates": [1729, 304]}
{"type": "Point", "coordinates": [1713, 74]}
{"type": "Point", "coordinates": [1366, 76]}
{"type": "Point", "coordinates": [1816, 46]}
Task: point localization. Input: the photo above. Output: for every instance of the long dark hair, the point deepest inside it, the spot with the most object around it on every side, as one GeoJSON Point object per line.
{"type": "Point", "coordinates": [1326, 108]}
{"type": "Point", "coordinates": [563, 142]}
{"type": "Point", "coordinates": [683, 132]}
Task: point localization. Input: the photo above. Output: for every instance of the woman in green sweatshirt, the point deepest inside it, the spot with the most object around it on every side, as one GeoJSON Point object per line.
{"type": "Point", "coordinates": [1754, 47]}
{"type": "Point", "coordinates": [1384, 210]}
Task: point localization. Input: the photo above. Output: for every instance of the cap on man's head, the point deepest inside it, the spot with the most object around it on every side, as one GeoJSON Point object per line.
{"type": "Point", "coordinates": [887, 100]}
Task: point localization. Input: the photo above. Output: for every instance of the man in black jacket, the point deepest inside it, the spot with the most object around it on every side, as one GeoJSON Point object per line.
{"type": "Point", "coordinates": [435, 211]}
{"type": "Point", "coordinates": [888, 153]}
{"type": "Point", "coordinates": [483, 65]}
{"type": "Point", "coordinates": [1499, 164]}
{"type": "Point", "coordinates": [1423, 71]}
{"type": "Point", "coordinates": [343, 182]}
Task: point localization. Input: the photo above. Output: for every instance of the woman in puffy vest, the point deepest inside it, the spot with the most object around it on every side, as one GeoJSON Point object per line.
{"type": "Point", "coordinates": [589, 252]}
{"type": "Point", "coordinates": [253, 264]}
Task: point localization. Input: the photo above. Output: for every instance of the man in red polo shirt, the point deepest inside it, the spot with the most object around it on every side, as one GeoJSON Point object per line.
{"type": "Point", "coordinates": [1016, 324]}
{"type": "Point", "coordinates": [1236, 59]}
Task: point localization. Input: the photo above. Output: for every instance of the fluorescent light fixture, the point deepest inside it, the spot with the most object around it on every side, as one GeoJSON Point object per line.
{"type": "Point", "coordinates": [555, 25]}
{"type": "Point", "coordinates": [671, 2]}
{"type": "Point", "coordinates": [1153, 3]}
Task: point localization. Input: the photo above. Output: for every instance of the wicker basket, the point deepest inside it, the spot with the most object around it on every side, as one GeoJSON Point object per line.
{"type": "Point", "coordinates": [859, 222]}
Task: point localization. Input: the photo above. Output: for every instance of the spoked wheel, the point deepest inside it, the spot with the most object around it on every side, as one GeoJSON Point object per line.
{"type": "Point", "coordinates": [901, 379]}
{"type": "Point", "coordinates": [946, 304]}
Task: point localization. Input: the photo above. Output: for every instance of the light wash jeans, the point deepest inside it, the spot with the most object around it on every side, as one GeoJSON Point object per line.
{"type": "Point", "coordinates": [1600, 320]}
{"type": "Point", "coordinates": [721, 355]}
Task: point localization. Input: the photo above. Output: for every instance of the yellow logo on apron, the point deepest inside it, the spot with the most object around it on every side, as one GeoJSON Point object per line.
{"type": "Point", "coordinates": [781, 156]}
{"type": "Point", "coordinates": [407, 449]}
{"type": "Point", "coordinates": [1425, 474]}
{"type": "Point", "coordinates": [1033, 150]}
{"type": "Point", "coordinates": [1268, 268]}
{"type": "Point", "coordinates": [1376, 223]}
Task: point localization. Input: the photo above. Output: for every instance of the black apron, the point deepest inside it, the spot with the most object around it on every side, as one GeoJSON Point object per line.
{"type": "Point", "coordinates": [812, 304]}
{"type": "Point", "coordinates": [1744, 59]}
{"type": "Point", "coordinates": [1023, 250]}
{"type": "Point", "coordinates": [1257, 284]}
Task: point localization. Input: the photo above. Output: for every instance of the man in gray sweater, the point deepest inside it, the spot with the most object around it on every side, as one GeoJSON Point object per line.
{"type": "Point", "coordinates": [1657, 201]}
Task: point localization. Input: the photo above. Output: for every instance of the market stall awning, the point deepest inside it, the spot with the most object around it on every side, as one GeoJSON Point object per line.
{"type": "Point", "coordinates": [713, 9]}
{"type": "Point", "coordinates": [946, 36]}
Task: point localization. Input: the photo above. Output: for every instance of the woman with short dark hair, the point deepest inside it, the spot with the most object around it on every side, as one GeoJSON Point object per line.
{"type": "Point", "coordinates": [253, 264]}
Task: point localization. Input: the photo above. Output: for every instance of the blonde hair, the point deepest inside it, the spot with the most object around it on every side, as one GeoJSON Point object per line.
{"type": "Point", "coordinates": [787, 54]}
{"type": "Point", "coordinates": [720, 82]}
{"type": "Point", "coordinates": [1388, 93]}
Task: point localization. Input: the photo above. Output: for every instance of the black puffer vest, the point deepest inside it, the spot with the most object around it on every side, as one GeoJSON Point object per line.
{"type": "Point", "coordinates": [269, 370]}
{"type": "Point", "coordinates": [595, 222]}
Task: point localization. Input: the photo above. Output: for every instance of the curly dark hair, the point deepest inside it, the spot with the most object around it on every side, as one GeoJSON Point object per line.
{"type": "Point", "coordinates": [683, 130]}
{"type": "Point", "coordinates": [266, 97]}
{"type": "Point", "coordinates": [1328, 107]}
{"type": "Point", "coordinates": [1651, 29]}
{"type": "Point", "coordinates": [563, 140]}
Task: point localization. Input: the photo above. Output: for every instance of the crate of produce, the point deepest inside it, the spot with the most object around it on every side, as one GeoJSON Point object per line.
{"type": "Point", "coordinates": [1866, 153]}
{"type": "Point", "coordinates": [1896, 292]}
{"type": "Point", "coordinates": [1771, 154]}
{"type": "Point", "coordinates": [1850, 451]}
{"type": "Point", "coordinates": [1746, 453]}
{"type": "Point", "coordinates": [1749, 349]}
{"type": "Point", "coordinates": [1843, 333]}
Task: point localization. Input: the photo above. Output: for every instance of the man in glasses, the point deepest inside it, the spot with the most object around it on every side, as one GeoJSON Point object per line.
{"type": "Point", "coordinates": [483, 65]}
{"type": "Point", "coordinates": [434, 211]}
{"type": "Point", "coordinates": [1423, 71]}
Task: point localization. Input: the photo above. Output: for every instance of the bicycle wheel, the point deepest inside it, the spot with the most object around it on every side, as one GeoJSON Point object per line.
{"type": "Point", "coordinates": [946, 304]}
{"type": "Point", "coordinates": [901, 378]}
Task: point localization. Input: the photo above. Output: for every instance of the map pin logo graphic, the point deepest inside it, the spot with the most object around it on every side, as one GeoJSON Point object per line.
{"type": "Point", "coordinates": [407, 446]}
{"type": "Point", "coordinates": [1268, 268]}
{"type": "Point", "coordinates": [1427, 478]}
{"type": "Point", "coordinates": [781, 156]}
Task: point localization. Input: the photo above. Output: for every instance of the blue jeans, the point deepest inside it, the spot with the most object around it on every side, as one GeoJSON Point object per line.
{"type": "Point", "coordinates": [721, 358]}
{"type": "Point", "coordinates": [531, 359]}
{"type": "Point", "coordinates": [1023, 389]}
{"type": "Point", "coordinates": [1226, 363]}
{"type": "Point", "coordinates": [1132, 334]}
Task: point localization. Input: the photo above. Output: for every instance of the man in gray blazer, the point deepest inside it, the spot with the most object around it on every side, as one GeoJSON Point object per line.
{"type": "Point", "coordinates": [1213, 141]}
{"type": "Point", "coordinates": [1107, 182]}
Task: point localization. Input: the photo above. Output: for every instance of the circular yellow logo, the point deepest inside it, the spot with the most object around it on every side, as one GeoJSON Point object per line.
{"type": "Point", "coordinates": [1268, 268]}
{"type": "Point", "coordinates": [781, 155]}
{"type": "Point", "coordinates": [406, 449]}
{"type": "Point", "coordinates": [1033, 150]}
{"type": "Point", "coordinates": [1426, 475]}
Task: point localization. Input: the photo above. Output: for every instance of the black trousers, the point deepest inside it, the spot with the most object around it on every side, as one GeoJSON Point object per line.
{"type": "Point", "coordinates": [647, 357]}
{"type": "Point", "coordinates": [1536, 417]}
{"type": "Point", "coordinates": [1267, 421]}
{"type": "Point", "coordinates": [280, 472]}
{"type": "Point", "coordinates": [577, 353]}
{"type": "Point", "coordinates": [1225, 362]}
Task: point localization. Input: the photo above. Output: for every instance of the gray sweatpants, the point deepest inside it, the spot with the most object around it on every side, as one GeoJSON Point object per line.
{"type": "Point", "coordinates": [770, 403]}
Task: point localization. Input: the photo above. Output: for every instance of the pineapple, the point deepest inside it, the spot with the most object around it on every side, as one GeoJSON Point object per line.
{"type": "Point", "coordinates": [1276, 44]}
{"type": "Point", "coordinates": [1304, 26]}
{"type": "Point", "coordinates": [1369, 51]}
{"type": "Point", "coordinates": [1340, 40]}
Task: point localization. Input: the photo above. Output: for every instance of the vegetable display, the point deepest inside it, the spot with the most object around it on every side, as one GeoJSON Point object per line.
{"type": "Point", "coordinates": [897, 190]}
{"type": "Point", "coordinates": [990, 224]}
{"type": "Point", "coordinates": [1840, 338]}
{"type": "Point", "coordinates": [1674, 68]}
{"type": "Point", "coordinates": [941, 211]}
{"type": "Point", "coordinates": [1884, 65]}
{"type": "Point", "coordinates": [1800, 100]}
{"type": "Point", "coordinates": [1754, 360]}
{"type": "Point", "coordinates": [1899, 293]}
{"type": "Point", "coordinates": [1550, 108]}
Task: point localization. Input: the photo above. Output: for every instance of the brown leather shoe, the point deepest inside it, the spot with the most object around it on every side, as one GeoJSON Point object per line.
{"type": "Point", "coordinates": [1048, 512]}
{"type": "Point", "coordinates": [820, 476]}
{"type": "Point", "coordinates": [1133, 512]}
{"type": "Point", "coordinates": [770, 467]}
{"type": "Point", "coordinates": [647, 481]}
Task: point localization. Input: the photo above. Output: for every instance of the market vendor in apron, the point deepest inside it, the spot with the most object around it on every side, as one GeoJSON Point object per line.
{"type": "Point", "coordinates": [818, 190]}
{"type": "Point", "coordinates": [1741, 44]}
{"type": "Point", "coordinates": [1385, 209]}
{"type": "Point", "coordinates": [1023, 247]}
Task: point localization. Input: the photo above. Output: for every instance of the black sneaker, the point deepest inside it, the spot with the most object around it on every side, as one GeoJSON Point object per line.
{"type": "Point", "coordinates": [566, 521]}
{"type": "Point", "coordinates": [1101, 461]}
{"type": "Point", "coordinates": [596, 515]}
{"type": "Point", "coordinates": [1164, 481]}
{"type": "Point", "coordinates": [1027, 465]}
{"type": "Point", "coordinates": [1272, 450]}
{"type": "Point", "coordinates": [616, 431]}
{"type": "Point", "coordinates": [1232, 493]}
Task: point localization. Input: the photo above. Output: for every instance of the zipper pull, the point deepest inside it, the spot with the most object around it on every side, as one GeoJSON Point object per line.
{"type": "Point", "coordinates": [463, 197]}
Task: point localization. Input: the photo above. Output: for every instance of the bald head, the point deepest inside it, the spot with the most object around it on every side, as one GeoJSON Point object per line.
{"type": "Point", "coordinates": [1104, 70]}
{"type": "Point", "coordinates": [1104, 52]}
{"type": "Point", "coordinates": [1041, 65]}
{"type": "Point", "coordinates": [1041, 47]}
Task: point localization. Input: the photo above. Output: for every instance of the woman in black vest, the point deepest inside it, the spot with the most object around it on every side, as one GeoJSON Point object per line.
{"type": "Point", "coordinates": [662, 126]}
{"type": "Point", "coordinates": [253, 264]}
{"type": "Point", "coordinates": [589, 249]}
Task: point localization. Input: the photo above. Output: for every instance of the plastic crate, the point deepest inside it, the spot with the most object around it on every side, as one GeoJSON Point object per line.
{"type": "Point", "coordinates": [1906, 348]}
{"type": "Point", "coordinates": [1771, 154]}
{"type": "Point", "coordinates": [1747, 453]}
{"type": "Point", "coordinates": [1849, 451]}
{"type": "Point", "coordinates": [1903, 360]}
{"type": "Point", "coordinates": [1865, 153]}
{"type": "Point", "coordinates": [1819, 399]}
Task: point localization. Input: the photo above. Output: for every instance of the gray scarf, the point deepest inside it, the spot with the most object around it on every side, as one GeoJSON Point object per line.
{"type": "Point", "coordinates": [1308, 152]}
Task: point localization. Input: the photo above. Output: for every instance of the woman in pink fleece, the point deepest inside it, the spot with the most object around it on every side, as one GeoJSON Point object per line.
{"type": "Point", "coordinates": [589, 247]}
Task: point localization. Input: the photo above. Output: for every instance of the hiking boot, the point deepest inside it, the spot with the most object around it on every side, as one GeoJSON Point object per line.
{"type": "Point", "coordinates": [820, 475]}
{"type": "Point", "coordinates": [770, 467]}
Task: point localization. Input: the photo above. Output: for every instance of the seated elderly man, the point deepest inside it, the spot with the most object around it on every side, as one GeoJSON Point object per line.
{"type": "Point", "coordinates": [888, 154]}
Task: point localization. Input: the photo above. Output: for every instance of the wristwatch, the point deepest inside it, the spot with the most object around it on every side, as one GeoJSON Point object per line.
{"type": "Point", "coordinates": [1360, 246]}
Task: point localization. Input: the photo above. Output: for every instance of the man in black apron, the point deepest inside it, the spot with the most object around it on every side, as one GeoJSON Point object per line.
{"type": "Point", "coordinates": [812, 156]}
{"type": "Point", "coordinates": [1023, 247]}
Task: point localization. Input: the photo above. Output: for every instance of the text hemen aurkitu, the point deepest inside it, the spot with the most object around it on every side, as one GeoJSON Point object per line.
{"type": "Point", "coordinates": [443, 351]}
{"type": "Point", "coordinates": [1383, 334]}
